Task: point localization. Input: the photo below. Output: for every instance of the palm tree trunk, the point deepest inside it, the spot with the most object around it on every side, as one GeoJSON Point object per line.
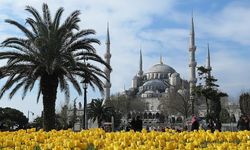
{"type": "Point", "coordinates": [49, 84]}
{"type": "Point", "coordinates": [85, 120]}
{"type": "Point", "coordinates": [99, 122]}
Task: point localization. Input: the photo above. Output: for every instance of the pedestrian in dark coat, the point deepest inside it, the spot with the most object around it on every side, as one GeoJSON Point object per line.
{"type": "Point", "coordinates": [138, 124]}
{"type": "Point", "coordinates": [241, 124]}
{"type": "Point", "coordinates": [210, 125]}
{"type": "Point", "coordinates": [195, 124]}
{"type": "Point", "coordinates": [133, 124]}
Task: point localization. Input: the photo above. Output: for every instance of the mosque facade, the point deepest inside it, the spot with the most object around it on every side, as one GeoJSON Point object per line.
{"type": "Point", "coordinates": [159, 82]}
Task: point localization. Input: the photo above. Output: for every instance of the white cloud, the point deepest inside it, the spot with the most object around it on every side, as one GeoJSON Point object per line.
{"type": "Point", "coordinates": [231, 23]}
{"type": "Point", "coordinates": [232, 71]}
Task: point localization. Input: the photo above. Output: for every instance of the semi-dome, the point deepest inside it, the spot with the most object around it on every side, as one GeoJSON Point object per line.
{"type": "Point", "coordinates": [161, 68]}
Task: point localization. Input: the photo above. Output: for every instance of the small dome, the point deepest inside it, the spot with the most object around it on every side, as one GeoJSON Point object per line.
{"type": "Point", "coordinates": [183, 91]}
{"type": "Point", "coordinates": [155, 85]}
{"type": "Point", "coordinates": [167, 90]}
{"type": "Point", "coordinates": [175, 74]}
{"type": "Point", "coordinates": [161, 68]}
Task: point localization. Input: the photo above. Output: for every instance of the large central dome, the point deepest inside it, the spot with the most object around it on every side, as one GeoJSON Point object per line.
{"type": "Point", "coordinates": [161, 68]}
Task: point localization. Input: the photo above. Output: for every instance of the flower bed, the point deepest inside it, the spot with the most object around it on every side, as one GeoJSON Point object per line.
{"type": "Point", "coordinates": [99, 139]}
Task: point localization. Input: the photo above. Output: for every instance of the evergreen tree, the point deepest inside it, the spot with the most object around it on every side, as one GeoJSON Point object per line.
{"type": "Point", "coordinates": [209, 90]}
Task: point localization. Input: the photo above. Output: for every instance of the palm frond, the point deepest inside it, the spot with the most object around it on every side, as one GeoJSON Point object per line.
{"type": "Point", "coordinates": [34, 12]}
{"type": "Point", "coordinates": [15, 89]}
{"type": "Point", "coordinates": [32, 23]}
{"type": "Point", "coordinates": [22, 28]}
{"type": "Point", "coordinates": [57, 18]}
{"type": "Point", "coordinates": [46, 15]}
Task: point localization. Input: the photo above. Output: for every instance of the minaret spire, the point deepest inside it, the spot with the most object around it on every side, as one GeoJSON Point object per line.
{"type": "Point", "coordinates": [192, 34]}
{"type": "Point", "coordinates": [192, 64]}
{"type": "Point", "coordinates": [140, 73]}
{"type": "Point", "coordinates": [107, 56]}
{"type": "Point", "coordinates": [108, 38]}
{"type": "Point", "coordinates": [208, 66]}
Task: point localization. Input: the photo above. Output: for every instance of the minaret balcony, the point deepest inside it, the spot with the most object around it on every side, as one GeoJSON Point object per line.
{"type": "Point", "coordinates": [107, 55]}
{"type": "Point", "coordinates": [193, 80]}
{"type": "Point", "coordinates": [107, 85]}
{"type": "Point", "coordinates": [192, 48]}
{"type": "Point", "coordinates": [107, 71]}
{"type": "Point", "coordinates": [193, 64]}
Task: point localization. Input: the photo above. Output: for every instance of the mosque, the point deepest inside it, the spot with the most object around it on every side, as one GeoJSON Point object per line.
{"type": "Point", "coordinates": [157, 85]}
{"type": "Point", "coordinates": [159, 82]}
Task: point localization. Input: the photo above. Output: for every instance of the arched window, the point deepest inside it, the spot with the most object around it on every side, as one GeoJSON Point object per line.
{"type": "Point", "coordinates": [145, 116]}
{"type": "Point", "coordinates": [157, 115]}
{"type": "Point", "coordinates": [150, 116]}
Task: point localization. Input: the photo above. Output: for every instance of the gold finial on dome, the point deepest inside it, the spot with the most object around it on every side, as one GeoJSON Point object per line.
{"type": "Point", "coordinates": [161, 62]}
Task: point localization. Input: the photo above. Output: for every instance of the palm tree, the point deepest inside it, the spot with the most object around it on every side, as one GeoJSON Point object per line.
{"type": "Point", "coordinates": [52, 53]}
{"type": "Point", "coordinates": [99, 111]}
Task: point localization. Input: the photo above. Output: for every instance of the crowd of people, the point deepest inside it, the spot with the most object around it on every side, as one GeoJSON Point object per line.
{"type": "Point", "coordinates": [212, 124]}
{"type": "Point", "coordinates": [196, 124]}
{"type": "Point", "coordinates": [136, 124]}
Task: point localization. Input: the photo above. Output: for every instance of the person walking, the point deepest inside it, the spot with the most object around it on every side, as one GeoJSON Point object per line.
{"type": "Point", "coordinates": [195, 124]}
{"type": "Point", "coordinates": [218, 125]}
{"type": "Point", "coordinates": [138, 124]}
{"type": "Point", "coordinates": [240, 124]}
{"type": "Point", "coordinates": [133, 124]}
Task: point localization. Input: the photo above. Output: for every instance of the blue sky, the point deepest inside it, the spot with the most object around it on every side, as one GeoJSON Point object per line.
{"type": "Point", "coordinates": [158, 27]}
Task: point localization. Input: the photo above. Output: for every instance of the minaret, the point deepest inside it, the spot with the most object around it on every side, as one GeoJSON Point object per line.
{"type": "Point", "coordinates": [192, 64]}
{"type": "Point", "coordinates": [208, 66]}
{"type": "Point", "coordinates": [140, 73]}
{"type": "Point", "coordinates": [107, 56]}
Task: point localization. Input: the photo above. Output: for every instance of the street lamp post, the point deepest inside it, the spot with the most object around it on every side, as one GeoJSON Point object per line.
{"type": "Point", "coordinates": [192, 99]}
{"type": "Point", "coordinates": [29, 114]}
{"type": "Point", "coordinates": [85, 121]}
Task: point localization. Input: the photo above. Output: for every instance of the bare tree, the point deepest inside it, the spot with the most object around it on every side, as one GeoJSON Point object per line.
{"type": "Point", "coordinates": [244, 101]}
{"type": "Point", "coordinates": [125, 104]}
{"type": "Point", "coordinates": [176, 102]}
